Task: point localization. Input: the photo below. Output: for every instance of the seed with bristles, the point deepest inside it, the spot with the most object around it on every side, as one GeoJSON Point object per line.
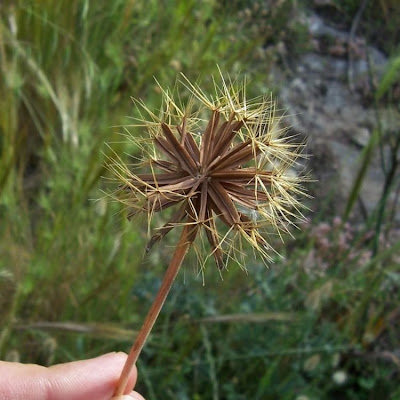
{"type": "Point", "coordinates": [223, 166]}
{"type": "Point", "coordinates": [228, 176]}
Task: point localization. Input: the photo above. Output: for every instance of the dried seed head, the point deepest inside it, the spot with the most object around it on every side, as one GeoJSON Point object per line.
{"type": "Point", "coordinates": [222, 164]}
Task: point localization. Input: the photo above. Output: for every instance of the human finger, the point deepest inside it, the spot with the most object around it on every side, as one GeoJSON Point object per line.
{"type": "Point", "coordinates": [95, 378]}
{"type": "Point", "coordinates": [133, 395]}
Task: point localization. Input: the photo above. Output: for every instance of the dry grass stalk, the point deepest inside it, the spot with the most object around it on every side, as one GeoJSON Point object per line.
{"type": "Point", "coordinates": [229, 177]}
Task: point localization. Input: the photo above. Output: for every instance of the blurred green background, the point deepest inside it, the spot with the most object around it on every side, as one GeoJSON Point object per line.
{"type": "Point", "coordinates": [323, 322]}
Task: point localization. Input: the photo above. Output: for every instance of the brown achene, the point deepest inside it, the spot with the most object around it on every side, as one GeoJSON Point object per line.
{"type": "Point", "coordinates": [205, 180]}
{"type": "Point", "coordinates": [230, 176]}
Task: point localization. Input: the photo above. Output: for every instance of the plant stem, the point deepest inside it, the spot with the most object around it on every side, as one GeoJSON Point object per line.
{"type": "Point", "coordinates": [169, 277]}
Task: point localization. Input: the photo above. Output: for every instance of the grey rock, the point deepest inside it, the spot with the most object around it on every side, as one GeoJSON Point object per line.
{"type": "Point", "coordinates": [331, 111]}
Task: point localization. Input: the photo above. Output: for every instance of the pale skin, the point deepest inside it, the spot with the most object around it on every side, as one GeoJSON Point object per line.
{"type": "Point", "coordinates": [93, 379]}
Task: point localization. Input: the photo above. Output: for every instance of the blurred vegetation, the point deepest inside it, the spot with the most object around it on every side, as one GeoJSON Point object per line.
{"type": "Point", "coordinates": [322, 323]}
{"type": "Point", "coordinates": [375, 20]}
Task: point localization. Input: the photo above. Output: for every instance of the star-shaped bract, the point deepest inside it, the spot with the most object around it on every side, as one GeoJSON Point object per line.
{"type": "Point", "coordinates": [230, 175]}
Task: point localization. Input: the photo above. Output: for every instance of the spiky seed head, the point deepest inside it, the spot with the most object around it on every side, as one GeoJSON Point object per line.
{"type": "Point", "coordinates": [221, 163]}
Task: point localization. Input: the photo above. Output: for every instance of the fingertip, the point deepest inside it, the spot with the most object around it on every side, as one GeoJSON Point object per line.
{"type": "Point", "coordinates": [130, 396]}
{"type": "Point", "coordinates": [119, 358]}
{"type": "Point", "coordinates": [94, 378]}
{"type": "Point", "coordinates": [135, 395]}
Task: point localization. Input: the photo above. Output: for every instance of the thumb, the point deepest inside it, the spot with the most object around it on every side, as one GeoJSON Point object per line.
{"type": "Point", "coordinates": [93, 379]}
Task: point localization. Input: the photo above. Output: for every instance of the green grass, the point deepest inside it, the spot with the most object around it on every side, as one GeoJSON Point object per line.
{"type": "Point", "coordinates": [69, 263]}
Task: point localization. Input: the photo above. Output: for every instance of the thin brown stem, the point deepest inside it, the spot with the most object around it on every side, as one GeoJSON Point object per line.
{"type": "Point", "coordinates": [169, 277]}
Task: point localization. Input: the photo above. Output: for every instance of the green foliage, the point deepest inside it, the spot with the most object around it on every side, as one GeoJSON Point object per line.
{"type": "Point", "coordinates": [72, 280]}
{"type": "Point", "coordinates": [390, 77]}
{"type": "Point", "coordinates": [366, 158]}
{"type": "Point", "coordinates": [379, 21]}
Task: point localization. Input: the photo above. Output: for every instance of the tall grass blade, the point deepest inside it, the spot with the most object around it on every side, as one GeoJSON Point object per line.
{"type": "Point", "coordinates": [392, 75]}
{"type": "Point", "coordinates": [366, 158]}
